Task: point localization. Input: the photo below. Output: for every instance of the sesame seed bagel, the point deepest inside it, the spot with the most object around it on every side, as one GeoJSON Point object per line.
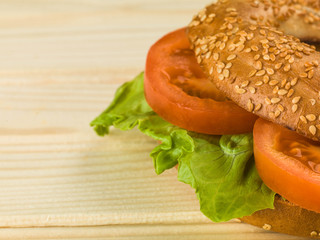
{"type": "Point", "coordinates": [246, 49]}
{"type": "Point", "coordinates": [287, 218]}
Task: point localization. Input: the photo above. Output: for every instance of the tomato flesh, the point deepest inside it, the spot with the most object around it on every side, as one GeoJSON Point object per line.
{"type": "Point", "coordinates": [178, 91]}
{"type": "Point", "coordinates": [288, 163]}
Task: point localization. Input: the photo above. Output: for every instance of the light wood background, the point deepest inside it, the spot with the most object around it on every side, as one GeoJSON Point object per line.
{"type": "Point", "coordinates": [60, 63]}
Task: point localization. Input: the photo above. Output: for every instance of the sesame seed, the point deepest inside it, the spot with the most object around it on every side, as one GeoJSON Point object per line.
{"type": "Point", "coordinates": [309, 68]}
{"type": "Point", "coordinates": [208, 55]}
{"type": "Point", "coordinates": [271, 115]}
{"type": "Point", "coordinates": [273, 82]}
{"type": "Point", "coordinates": [216, 56]}
{"type": "Point", "coordinates": [253, 17]}
{"type": "Point", "coordinates": [221, 77]}
{"type": "Point", "coordinates": [233, 14]}
{"type": "Point", "coordinates": [275, 90]}
{"type": "Point", "coordinates": [313, 234]}
{"type": "Point", "coordinates": [315, 63]}
{"type": "Point", "coordinates": [250, 105]}
{"type": "Point", "coordinates": [311, 117]}
{"type": "Point", "coordinates": [291, 60]}
{"type": "Point", "coordinates": [259, 83]}
{"type": "Point", "coordinates": [252, 73]}
{"type": "Point", "coordinates": [197, 51]}
{"type": "Point", "coordinates": [209, 20]}
{"type": "Point", "coordinates": [240, 48]}
{"type": "Point", "coordinates": [252, 27]}
{"type": "Point", "coordinates": [258, 65]}
{"type": "Point", "coordinates": [222, 46]}
{"type": "Point", "coordinates": [262, 32]}
{"type": "Point", "coordinates": [318, 126]}
{"type": "Point", "coordinates": [310, 74]}
{"type": "Point", "coordinates": [194, 23]}
{"type": "Point", "coordinates": [282, 92]}
{"type": "Point", "coordinates": [294, 108]}
{"type": "Point", "coordinates": [270, 71]}
{"type": "Point", "coordinates": [258, 107]}
{"type": "Point", "coordinates": [266, 57]}
{"type": "Point", "coordinates": [226, 73]}
{"type": "Point", "coordinates": [203, 18]}
{"type": "Point", "coordinates": [252, 90]}
{"type": "Point", "coordinates": [241, 91]}
{"type": "Point", "coordinates": [303, 75]}
{"type": "Point", "coordinates": [242, 40]}
{"type": "Point", "coordinates": [204, 48]}
{"type": "Point", "coordinates": [299, 55]}
{"type": "Point", "coordinates": [264, 41]}
{"type": "Point", "coordinates": [254, 48]}
{"type": "Point", "coordinates": [277, 113]}
{"type": "Point", "coordinates": [300, 48]}
{"type": "Point", "coordinates": [268, 101]}
{"type": "Point", "coordinates": [231, 57]}
{"type": "Point", "coordinates": [290, 93]}
{"type": "Point", "coordinates": [272, 57]}
{"type": "Point", "coordinates": [303, 119]}
{"type": "Point", "coordinates": [229, 65]}
{"type": "Point", "coordinates": [313, 130]}
{"type": "Point", "coordinates": [211, 70]}
{"type": "Point", "coordinates": [305, 51]}
{"type": "Point", "coordinates": [287, 68]}
{"type": "Point", "coordinates": [247, 50]}
{"type": "Point", "coordinates": [296, 99]}
{"type": "Point", "coordinates": [250, 36]}
{"type": "Point", "coordinates": [287, 86]}
{"type": "Point", "coordinates": [265, 51]}
{"type": "Point", "coordinates": [219, 70]}
{"type": "Point", "coordinates": [256, 57]}
{"type": "Point", "coordinates": [283, 54]}
{"type": "Point", "coordinates": [261, 73]}
{"type": "Point", "coordinates": [245, 83]}
{"type": "Point", "coordinates": [266, 79]}
{"type": "Point", "coordinates": [280, 107]}
{"type": "Point", "coordinates": [275, 100]}
{"type": "Point", "coordinates": [232, 47]}
{"type": "Point", "coordinates": [294, 81]}
{"type": "Point", "coordinates": [255, 4]}
{"type": "Point", "coordinates": [231, 10]}
{"type": "Point", "coordinates": [278, 66]}
{"type": "Point", "coordinates": [312, 101]}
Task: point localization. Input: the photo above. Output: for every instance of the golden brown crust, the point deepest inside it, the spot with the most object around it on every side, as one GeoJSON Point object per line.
{"type": "Point", "coordinates": [240, 47]}
{"type": "Point", "coordinates": [287, 218]}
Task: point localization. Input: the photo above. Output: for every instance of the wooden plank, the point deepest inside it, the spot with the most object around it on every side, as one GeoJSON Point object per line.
{"type": "Point", "coordinates": [221, 231]}
{"type": "Point", "coordinates": [61, 63]}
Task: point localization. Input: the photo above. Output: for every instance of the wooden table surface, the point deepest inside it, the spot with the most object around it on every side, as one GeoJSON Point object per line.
{"type": "Point", "coordinates": [60, 64]}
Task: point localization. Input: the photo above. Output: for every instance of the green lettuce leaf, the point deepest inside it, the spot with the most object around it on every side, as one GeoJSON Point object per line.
{"type": "Point", "coordinates": [220, 168]}
{"type": "Point", "coordinates": [126, 110]}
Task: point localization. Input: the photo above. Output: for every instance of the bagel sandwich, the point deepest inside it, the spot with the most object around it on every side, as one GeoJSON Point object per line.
{"type": "Point", "coordinates": [241, 66]}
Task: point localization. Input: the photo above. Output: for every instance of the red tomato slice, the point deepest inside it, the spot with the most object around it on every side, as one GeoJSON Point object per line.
{"type": "Point", "coordinates": [179, 92]}
{"type": "Point", "coordinates": [288, 163]}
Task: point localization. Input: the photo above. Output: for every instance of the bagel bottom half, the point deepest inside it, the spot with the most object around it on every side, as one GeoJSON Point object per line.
{"type": "Point", "coordinates": [287, 218]}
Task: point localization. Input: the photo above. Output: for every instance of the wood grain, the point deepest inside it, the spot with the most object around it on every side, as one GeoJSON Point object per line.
{"type": "Point", "coordinates": [61, 62]}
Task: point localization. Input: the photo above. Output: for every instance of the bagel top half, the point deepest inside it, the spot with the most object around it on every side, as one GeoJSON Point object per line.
{"type": "Point", "coordinates": [248, 50]}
